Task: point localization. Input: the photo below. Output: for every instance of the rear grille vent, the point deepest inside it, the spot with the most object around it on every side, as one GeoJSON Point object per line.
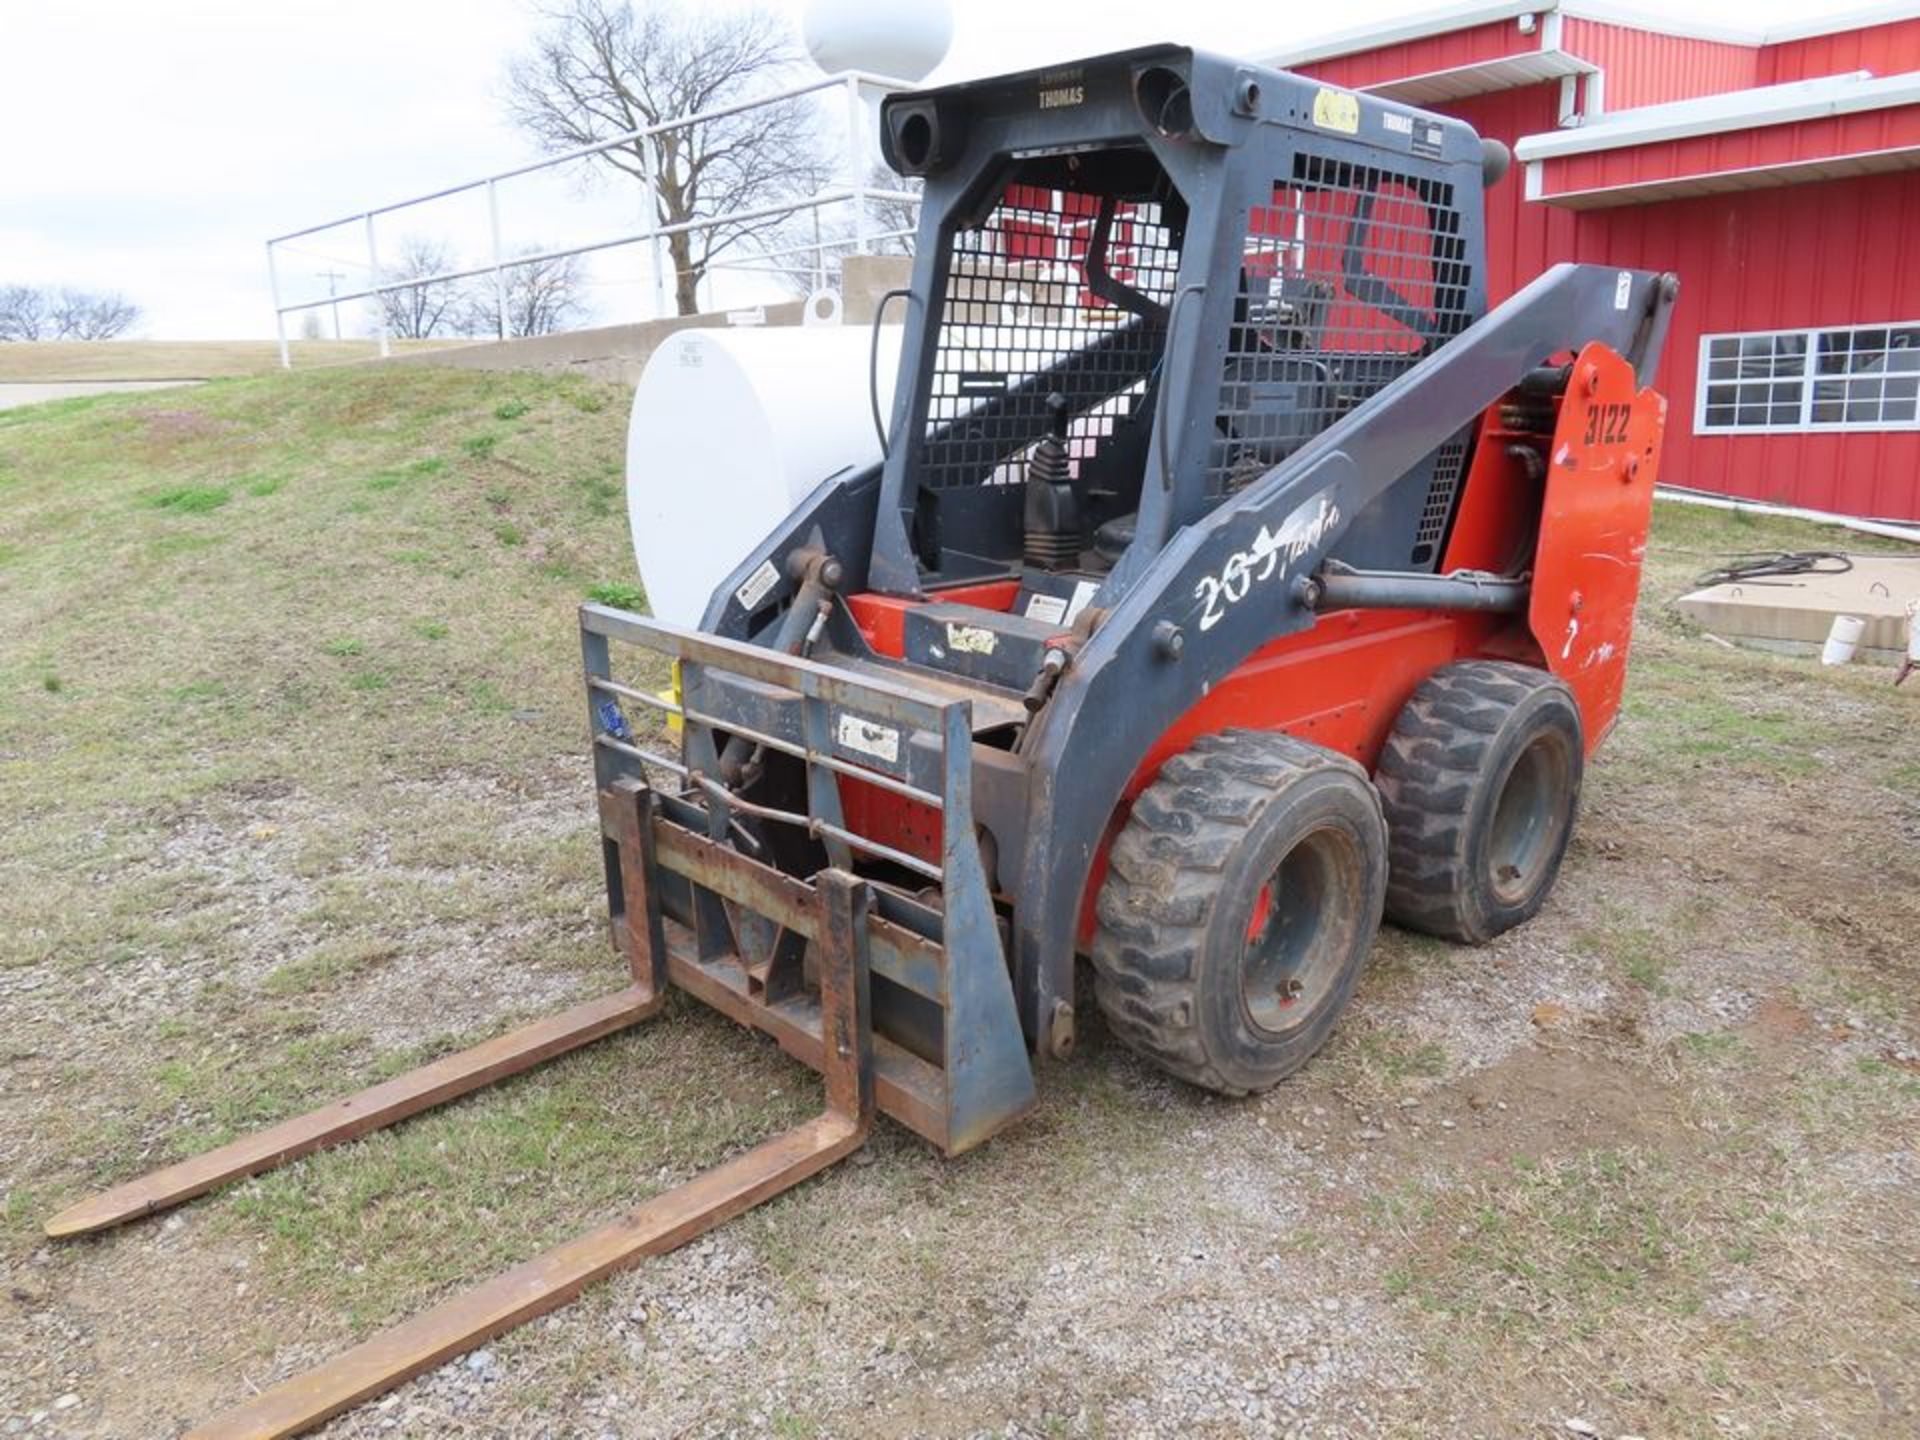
{"type": "Point", "coordinates": [1448, 461]}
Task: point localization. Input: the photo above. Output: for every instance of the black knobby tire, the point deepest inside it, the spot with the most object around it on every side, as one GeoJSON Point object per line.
{"type": "Point", "coordinates": [1480, 780]}
{"type": "Point", "coordinates": [1241, 899]}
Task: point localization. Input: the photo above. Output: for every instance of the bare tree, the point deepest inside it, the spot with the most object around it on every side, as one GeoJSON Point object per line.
{"type": "Point", "coordinates": [23, 313]}
{"type": "Point", "coordinates": [892, 222]}
{"type": "Point", "coordinates": [86, 315]}
{"type": "Point", "coordinates": [432, 307]}
{"type": "Point", "coordinates": [600, 69]}
{"type": "Point", "coordinates": [27, 313]}
{"type": "Point", "coordinates": [542, 297]}
{"type": "Point", "coordinates": [890, 227]}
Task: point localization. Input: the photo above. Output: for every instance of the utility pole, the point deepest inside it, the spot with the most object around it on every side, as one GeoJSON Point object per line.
{"type": "Point", "coordinates": [333, 279]}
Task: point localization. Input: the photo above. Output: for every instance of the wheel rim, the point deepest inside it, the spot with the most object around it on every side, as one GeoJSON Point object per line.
{"type": "Point", "coordinates": [1297, 930]}
{"type": "Point", "coordinates": [1528, 817]}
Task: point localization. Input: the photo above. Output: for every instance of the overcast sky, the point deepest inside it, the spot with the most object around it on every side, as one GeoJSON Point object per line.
{"type": "Point", "coordinates": [150, 146]}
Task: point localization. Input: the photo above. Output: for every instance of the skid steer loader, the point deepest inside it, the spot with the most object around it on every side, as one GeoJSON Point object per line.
{"type": "Point", "coordinates": [1233, 577]}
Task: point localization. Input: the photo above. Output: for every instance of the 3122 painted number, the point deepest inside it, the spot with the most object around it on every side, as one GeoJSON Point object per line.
{"type": "Point", "coordinates": [1607, 424]}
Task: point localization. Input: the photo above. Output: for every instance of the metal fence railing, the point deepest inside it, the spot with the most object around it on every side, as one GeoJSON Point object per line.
{"type": "Point", "coordinates": [854, 189]}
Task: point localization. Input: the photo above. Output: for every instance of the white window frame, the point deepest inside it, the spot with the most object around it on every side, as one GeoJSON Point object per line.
{"type": "Point", "coordinates": [1806, 424]}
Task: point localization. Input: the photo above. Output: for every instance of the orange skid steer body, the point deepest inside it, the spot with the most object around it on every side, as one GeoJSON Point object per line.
{"type": "Point", "coordinates": [1235, 577]}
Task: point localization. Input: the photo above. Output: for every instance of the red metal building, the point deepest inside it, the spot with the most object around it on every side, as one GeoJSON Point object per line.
{"type": "Point", "coordinates": [1777, 172]}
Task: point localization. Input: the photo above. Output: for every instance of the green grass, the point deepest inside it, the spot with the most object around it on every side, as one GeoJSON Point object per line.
{"type": "Point", "coordinates": [1712, 1045]}
{"type": "Point", "coordinates": [1384, 1063]}
{"type": "Point", "coordinates": [237, 667]}
{"type": "Point", "coordinates": [1708, 725]}
{"type": "Point", "coordinates": [468, 1192]}
{"type": "Point", "coordinates": [1641, 953]}
{"type": "Point", "coordinates": [192, 499]}
{"type": "Point", "coordinates": [618, 594]}
{"type": "Point", "coordinates": [55, 360]}
{"type": "Point", "coordinates": [1542, 1243]}
{"type": "Point", "coordinates": [326, 963]}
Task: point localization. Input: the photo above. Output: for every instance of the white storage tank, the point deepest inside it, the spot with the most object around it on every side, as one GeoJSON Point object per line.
{"type": "Point", "coordinates": [903, 42]}
{"type": "Point", "coordinates": [730, 429]}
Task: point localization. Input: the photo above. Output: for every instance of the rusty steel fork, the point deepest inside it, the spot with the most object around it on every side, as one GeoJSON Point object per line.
{"type": "Point", "coordinates": [445, 1079]}
{"type": "Point", "coordinates": [348, 1119]}
{"type": "Point", "coordinates": [548, 1281]}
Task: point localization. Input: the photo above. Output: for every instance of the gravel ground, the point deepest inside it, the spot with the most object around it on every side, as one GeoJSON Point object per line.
{"type": "Point", "coordinates": [1644, 1167]}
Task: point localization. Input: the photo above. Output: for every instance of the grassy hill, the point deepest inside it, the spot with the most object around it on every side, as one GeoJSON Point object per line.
{"type": "Point", "coordinates": [294, 793]}
{"type": "Point", "coordinates": [225, 569]}
{"type": "Point", "coordinates": [43, 361]}
{"type": "Point", "coordinates": [293, 787]}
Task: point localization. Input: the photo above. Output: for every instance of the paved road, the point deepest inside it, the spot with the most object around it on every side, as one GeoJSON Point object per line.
{"type": "Point", "coordinates": [17, 394]}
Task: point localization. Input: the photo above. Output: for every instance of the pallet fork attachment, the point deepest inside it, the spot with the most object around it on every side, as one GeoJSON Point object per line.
{"type": "Point", "coordinates": [548, 1281]}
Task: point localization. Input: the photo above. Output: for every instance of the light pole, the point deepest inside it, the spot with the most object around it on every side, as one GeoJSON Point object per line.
{"type": "Point", "coordinates": [333, 279]}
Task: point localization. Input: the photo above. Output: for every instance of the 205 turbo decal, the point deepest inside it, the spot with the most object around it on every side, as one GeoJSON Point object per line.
{"type": "Point", "coordinates": [1272, 553]}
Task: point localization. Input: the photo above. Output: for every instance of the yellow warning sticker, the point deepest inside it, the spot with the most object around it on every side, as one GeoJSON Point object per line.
{"type": "Point", "coordinates": [1337, 110]}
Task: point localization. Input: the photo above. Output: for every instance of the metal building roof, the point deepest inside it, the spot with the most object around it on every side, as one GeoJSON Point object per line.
{"type": "Point", "coordinates": [1445, 19]}
{"type": "Point", "coordinates": [1736, 110]}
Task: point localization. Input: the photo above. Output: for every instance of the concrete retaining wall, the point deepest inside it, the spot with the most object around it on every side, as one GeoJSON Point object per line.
{"type": "Point", "coordinates": [619, 352]}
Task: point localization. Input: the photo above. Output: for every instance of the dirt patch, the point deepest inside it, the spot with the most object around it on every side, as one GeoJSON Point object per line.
{"type": "Point", "coordinates": [164, 426]}
{"type": "Point", "coordinates": [125, 1379]}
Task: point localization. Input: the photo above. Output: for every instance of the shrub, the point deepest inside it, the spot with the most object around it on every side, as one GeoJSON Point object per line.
{"type": "Point", "coordinates": [620, 596]}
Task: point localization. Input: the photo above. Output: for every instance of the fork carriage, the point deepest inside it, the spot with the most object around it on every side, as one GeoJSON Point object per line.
{"type": "Point", "coordinates": [693, 871]}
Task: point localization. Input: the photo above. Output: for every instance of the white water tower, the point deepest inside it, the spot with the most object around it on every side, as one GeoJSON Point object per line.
{"type": "Point", "coordinates": [899, 39]}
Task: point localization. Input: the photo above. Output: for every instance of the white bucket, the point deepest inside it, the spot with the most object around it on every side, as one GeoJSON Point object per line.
{"type": "Point", "coordinates": [1913, 632]}
{"type": "Point", "coordinates": [1842, 639]}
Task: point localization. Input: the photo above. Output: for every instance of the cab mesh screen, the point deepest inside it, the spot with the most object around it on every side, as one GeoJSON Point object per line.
{"type": "Point", "coordinates": [1349, 275]}
{"type": "Point", "coordinates": [1020, 318]}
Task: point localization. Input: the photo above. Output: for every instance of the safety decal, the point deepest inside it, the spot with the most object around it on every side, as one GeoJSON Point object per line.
{"type": "Point", "coordinates": [868, 737]}
{"type": "Point", "coordinates": [757, 586]}
{"type": "Point", "coordinates": [1337, 110]}
{"type": "Point", "coordinates": [972, 639]}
